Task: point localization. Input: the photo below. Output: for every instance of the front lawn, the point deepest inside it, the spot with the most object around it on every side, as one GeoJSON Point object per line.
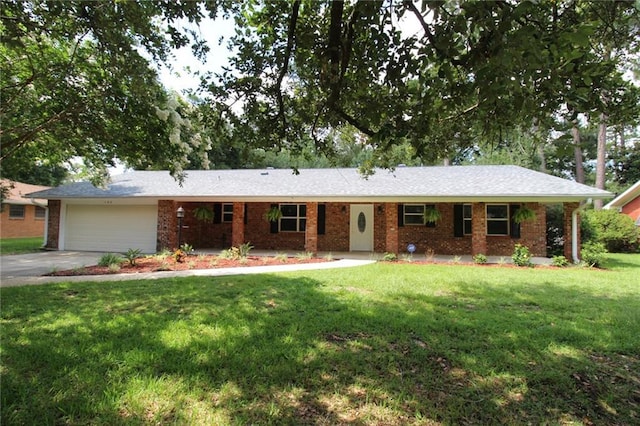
{"type": "Point", "coordinates": [381, 344]}
{"type": "Point", "coordinates": [20, 245]}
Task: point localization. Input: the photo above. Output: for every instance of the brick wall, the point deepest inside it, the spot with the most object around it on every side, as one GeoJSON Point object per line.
{"type": "Point", "coordinates": [632, 209]}
{"type": "Point", "coordinates": [388, 236]}
{"type": "Point", "coordinates": [28, 226]}
{"type": "Point", "coordinates": [53, 229]}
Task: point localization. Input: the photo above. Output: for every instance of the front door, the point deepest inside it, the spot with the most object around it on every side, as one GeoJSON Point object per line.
{"type": "Point", "coordinates": [361, 227]}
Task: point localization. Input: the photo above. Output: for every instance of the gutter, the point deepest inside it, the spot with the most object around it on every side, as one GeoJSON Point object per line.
{"type": "Point", "coordinates": [575, 229]}
{"type": "Point", "coordinates": [46, 220]}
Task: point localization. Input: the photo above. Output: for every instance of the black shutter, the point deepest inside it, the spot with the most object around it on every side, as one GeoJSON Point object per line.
{"type": "Point", "coordinates": [274, 224]}
{"type": "Point", "coordinates": [246, 217]}
{"type": "Point", "coordinates": [515, 227]}
{"type": "Point", "coordinates": [458, 220]}
{"type": "Point", "coordinates": [400, 215]}
{"type": "Point", "coordinates": [217, 213]}
{"type": "Point", "coordinates": [322, 212]}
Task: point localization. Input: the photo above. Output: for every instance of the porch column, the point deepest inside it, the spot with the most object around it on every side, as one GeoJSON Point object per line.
{"type": "Point", "coordinates": [53, 225]}
{"type": "Point", "coordinates": [237, 225]}
{"type": "Point", "coordinates": [166, 234]}
{"type": "Point", "coordinates": [311, 230]}
{"type": "Point", "coordinates": [569, 208]}
{"type": "Point", "coordinates": [479, 229]}
{"type": "Point", "coordinates": [391, 225]}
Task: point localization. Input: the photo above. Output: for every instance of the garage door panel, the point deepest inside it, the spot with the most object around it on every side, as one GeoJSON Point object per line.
{"type": "Point", "coordinates": [111, 228]}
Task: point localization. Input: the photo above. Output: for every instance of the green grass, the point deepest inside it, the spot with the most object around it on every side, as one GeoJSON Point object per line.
{"type": "Point", "coordinates": [381, 344]}
{"type": "Point", "coordinates": [20, 245]}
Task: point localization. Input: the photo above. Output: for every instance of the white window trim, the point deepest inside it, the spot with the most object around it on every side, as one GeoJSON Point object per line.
{"type": "Point", "coordinates": [421, 214]}
{"type": "Point", "coordinates": [507, 219]}
{"type": "Point", "coordinates": [223, 212]}
{"type": "Point", "coordinates": [297, 217]}
{"type": "Point", "coordinates": [467, 219]}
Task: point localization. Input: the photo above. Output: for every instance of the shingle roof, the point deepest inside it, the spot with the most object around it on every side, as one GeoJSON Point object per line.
{"type": "Point", "coordinates": [19, 192]}
{"type": "Point", "coordinates": [453, 183]}
{"type": "Point", "coordinates": [626, 197]}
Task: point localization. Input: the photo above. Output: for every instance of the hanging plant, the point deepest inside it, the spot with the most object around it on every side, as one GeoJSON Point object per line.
{"type": "Point", "coordinates": [523, 214]}
{"type": "Point", "coordinates": [203, 213]}
{"type": "Point", "coordinates": [431, 215]}
{"type": "Point", "coordinates": [274, 214]}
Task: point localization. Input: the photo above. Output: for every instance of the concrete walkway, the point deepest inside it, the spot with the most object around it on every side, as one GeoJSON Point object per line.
{"type": "Point", "coordinates": [28, 269]}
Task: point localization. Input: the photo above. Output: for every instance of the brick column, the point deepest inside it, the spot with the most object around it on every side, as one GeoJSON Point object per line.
{"type": "Point", "coordinates": [167, 230]}
{"type": "Point", "coordinates": [391, 225]}
{"type": "Point", "coordinates": [311, 230]}
{"type": "Point", "coordinates": [479, 229]}
{"type": "Point", "coordinates": [53, 225]}
{"type": "Point", "coordinates": [237, 225]}
{"type": "Point", "coordinates": [568, 234]}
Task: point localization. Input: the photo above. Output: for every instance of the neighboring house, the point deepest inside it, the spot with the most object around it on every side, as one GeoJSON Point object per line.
{"type": "Point", "coordinates": [22, 217]}
{"type": "Point", "coordinates": [329, 210]}
{"type": "Point", "coordinates": [628, 203]}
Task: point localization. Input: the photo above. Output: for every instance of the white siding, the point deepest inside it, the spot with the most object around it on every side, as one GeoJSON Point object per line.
{"type": "Point", "coordinates": [111, 228]}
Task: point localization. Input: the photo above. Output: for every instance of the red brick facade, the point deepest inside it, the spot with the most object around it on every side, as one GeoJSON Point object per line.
{"type": "Point", "coordinates": [389, 235]}
{"type": "Point", "coordinates": [27, 226]}
{"type": "Point", "coordinates": [248, 223]}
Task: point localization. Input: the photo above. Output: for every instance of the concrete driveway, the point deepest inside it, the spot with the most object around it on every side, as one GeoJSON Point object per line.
{"type": "Point", "coordinates": [37, 264]}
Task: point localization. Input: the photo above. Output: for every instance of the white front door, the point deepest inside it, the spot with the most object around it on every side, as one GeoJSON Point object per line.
{"type": "Point", "coordinates": [361, 227]}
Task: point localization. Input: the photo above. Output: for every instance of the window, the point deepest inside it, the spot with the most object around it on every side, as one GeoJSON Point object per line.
{"type": "Point", "coordinates": [294, 217]}
{"type": "Point", "coordinates": [227, 212]}
{"type": "Point", "coordinates": [466, 219]}
{"type": "Point", "coordinates": [414, 214]}
{"type": "Point", "coordinates": [40, 213]}
{"type": "Point", "coordinates": [497, 219]}
{"type": "Point", "coordinates": [16, 211]}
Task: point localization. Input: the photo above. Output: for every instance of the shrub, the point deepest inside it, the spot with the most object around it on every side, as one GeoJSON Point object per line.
{"type": "Point", "coordinates": [187, 248]}
{"type": "Point", "coordinates": [521, 256]}
{"type": "Point", "coordinates": [109, 259]}
{"type": "Point", "coordinates": [616, 231]}
{"type": "Point", "coordinates": [131, 255]}
{"type": "Point", "coordinates": [304, 255]}
{"type": "Point", "coordinates": [480, 259]}
{"type": "Point", "coordinates": [559, 261]}
{"type": "Point", "coordinates": [592, 254]}
{"type": "Point", "coordinates": [179, 255]}
{"type": "Point", "coordinates": [244, 249]}
{"type": "Point", "coordinates": [390, 257]}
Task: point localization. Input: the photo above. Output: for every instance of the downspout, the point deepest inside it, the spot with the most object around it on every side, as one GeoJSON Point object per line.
{"type": "Point", "coordinates": [575, 229]}
{"type": "Point", "coordinates": [46, 220]}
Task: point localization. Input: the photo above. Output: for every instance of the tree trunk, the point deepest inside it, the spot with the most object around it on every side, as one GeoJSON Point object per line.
{"type": "Point", "coordinates": [601, 157]}
{"type": "Point", "coordinates": [577, 152]}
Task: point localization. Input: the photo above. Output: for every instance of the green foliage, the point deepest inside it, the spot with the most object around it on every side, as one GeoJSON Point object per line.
{"type": "Point", "coordinates": [524, 214]}
{"type": "Point", "coordinates": [521, 256]}
{"type": "Point", "coordinates": [203, 214]}
{"type": "Point", "coordinates": [616, 231]}
{"type": "Point", "coordinates": [232, 253]}
{"type": "Point", "coordinates": [187, 248]}
{"type": "Point", "coordinates": [431, 215]}
{"type": "Point", "coordinates": [559, 261]}
{"type": "Point", "coordinates": [109, 259]}
{"type": "Point", "coordinates": [244, 249]}
{"type": "Point", "coordinates": [274, 214]}
{"type": "Point", "coordinates": [390, 257]}
{"type": "Point", "coordinates": [593, 254]}
{"type": "Point", "coordinates": [305, 255]}
{"type": "Point", "coordinates": [480, 259]}
{"type": "Point", "coordinates": [20, 245]}
{"type": "Point", "coordinates": [131, 255]}
{"type": "Point", "coordinates": [555, 229]}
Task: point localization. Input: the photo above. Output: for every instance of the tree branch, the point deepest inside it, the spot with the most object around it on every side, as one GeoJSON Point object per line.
{"type": "Point", "coordinates": [285, 66]}
{"type": "Point", "coordinates": [355, 123]}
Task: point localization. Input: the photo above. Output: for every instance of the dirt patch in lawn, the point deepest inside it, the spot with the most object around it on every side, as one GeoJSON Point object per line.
{"type": "Point", "coordinates": [158, 263]}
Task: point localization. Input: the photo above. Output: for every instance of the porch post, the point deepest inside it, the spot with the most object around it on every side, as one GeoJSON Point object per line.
{"type": "Point", "coordinates": [53, 225]}
{"type": "Point", "coordinates": [391, 225]}
{"type": "Point", "coordinates": [237, 225]}
{"type": "Point", "coordinates": [568, 209]}
{"type": "Point", "coordinates": [311, 230]}
{"type": "Point", "coordinates": [167, 224]}
{"type": "Point", "coordinates": [479, 229]}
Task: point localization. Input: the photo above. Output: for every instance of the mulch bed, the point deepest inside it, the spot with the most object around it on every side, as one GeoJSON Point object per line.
{"type": "Point", "coordinates": [156, 264]}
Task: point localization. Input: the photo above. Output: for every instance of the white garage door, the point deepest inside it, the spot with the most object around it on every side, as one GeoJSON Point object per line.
{"type": "Point", "coordinates": [111, 228]}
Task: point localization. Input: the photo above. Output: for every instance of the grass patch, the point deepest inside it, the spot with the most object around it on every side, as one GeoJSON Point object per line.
{"type": "Point", "coordinates": [20, 245]}
{"type": "Point", "coordinates": [381, 344]}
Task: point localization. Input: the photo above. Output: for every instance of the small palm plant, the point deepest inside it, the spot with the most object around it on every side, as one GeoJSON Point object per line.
{"type": "Point", "coordinates": [431, 215]}
{"type": "Point", "coordinates": [274, 214]}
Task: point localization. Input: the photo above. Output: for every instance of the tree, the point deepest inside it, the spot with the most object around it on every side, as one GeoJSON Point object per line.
{"type": "Point", "coordinates": [303, 68]}
{"type": "Point", "coordinates": [74, 83]}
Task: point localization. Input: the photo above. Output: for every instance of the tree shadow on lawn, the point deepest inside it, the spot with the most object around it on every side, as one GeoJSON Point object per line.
{"type": "Point", "coordinates": [275, 349]}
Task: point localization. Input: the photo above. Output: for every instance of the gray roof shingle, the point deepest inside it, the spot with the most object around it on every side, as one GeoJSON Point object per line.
{"type": "Point", "coordinates": [452, 183]}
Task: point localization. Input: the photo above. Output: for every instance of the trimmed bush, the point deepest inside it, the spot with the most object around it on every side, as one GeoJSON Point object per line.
{"type": "Point", "coordinates": [592, 254]}
{"type": "Point", "coordinates": [616, 231]}
{"type": "Point", "coordinates": [521, 256]}
{"type": "Point", "coordinates": [480, 259]}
